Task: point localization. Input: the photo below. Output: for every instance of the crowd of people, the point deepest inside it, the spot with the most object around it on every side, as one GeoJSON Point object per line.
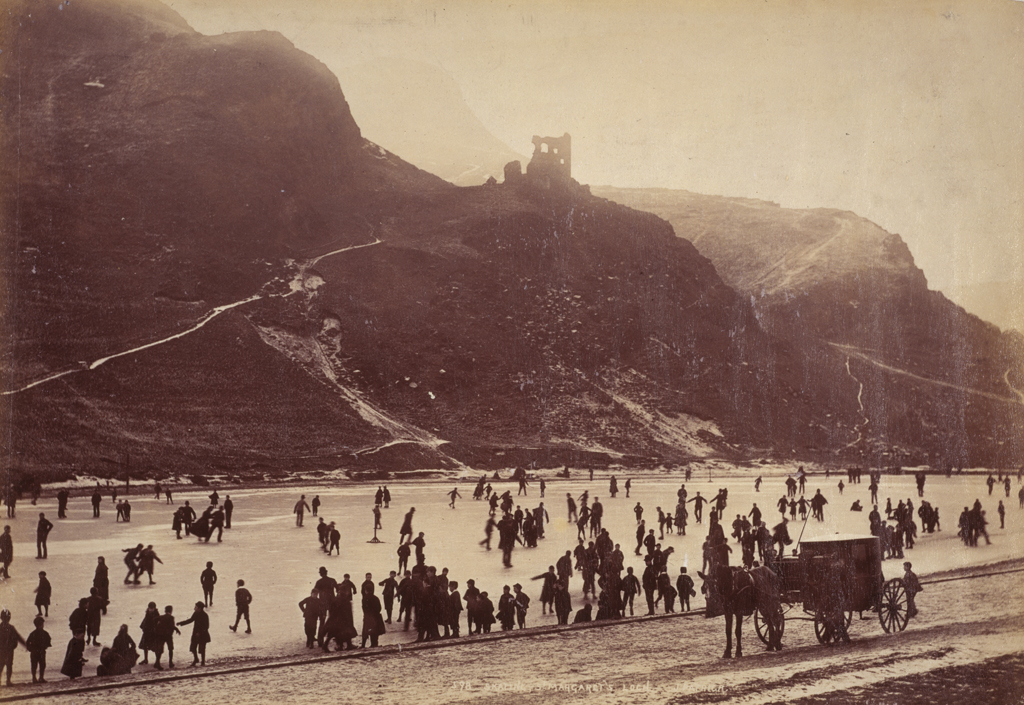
{"type": "Point", "coordinates": [432, 601]}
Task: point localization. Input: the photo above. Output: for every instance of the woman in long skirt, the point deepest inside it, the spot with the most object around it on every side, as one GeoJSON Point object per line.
{"type": "Point", "coordinates": [73, 658]}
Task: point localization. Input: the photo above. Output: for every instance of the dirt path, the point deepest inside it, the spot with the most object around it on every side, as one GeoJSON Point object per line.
{"type": "Point", "coordinates": [855, 352]}
{"type": "Point", "coordinates": [209, 316]}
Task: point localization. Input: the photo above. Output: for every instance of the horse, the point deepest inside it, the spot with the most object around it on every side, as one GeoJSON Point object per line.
{"type": "Point", "coordinates": [736, 593]}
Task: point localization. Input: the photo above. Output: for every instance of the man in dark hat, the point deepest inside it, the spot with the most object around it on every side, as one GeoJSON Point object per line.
{"type": "Point", "coordinates": [200, 622]}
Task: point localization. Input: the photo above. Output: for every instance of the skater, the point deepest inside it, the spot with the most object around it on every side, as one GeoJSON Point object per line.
{"type": "Point", "coordinates": [208, 578]}
{"type": "Point", "coordinates": [188, 515]}
{"type": "Point", "coordinates": [315, 504]}
{"type": "Point", "coordinates": [453, 495]}
{"type": "Point", "coordinates": [243, 598]}
{"type": "Point", "coordinates": [387, 497]}
{"type": "Point", "coordinates": [97, 498]}
{"type": "Point", "coordinates": [1001, 510]}
{"type": "Point", "coordinates": [334, 539]}
{"type": "Point", "coordinates": [698, 508]}
{"type": "Point", "coordinates": [406, 529]}
{"type": "Point", "coordinates": [420, 543]}
{"type": "Point", "coordinates": [628, 485]}
{"type": "Point", "coordinates": [165, 631]}
{"type": "Point", "coordinates": [216, 524]}
{"type": "Point", "coordinates": [300, 509]}
{"type": "Point", "coordinates": [146, 564]}
{"type": "Point", "coordinates": [573, 516]}
{"type": "Point", "coordinates": [62, 503]}
{"type": "Point", "coordinates": [37, 644]}
{"type": "Point", "coordinates": [200, 622]}
{"type": "Point", "coordinates": [488, 532]}
{"type": "Point", "coordinates": [229, 508]}
{"type": "Point", "coordinates": [42, 532]}
{"type": "Point", "coordinates": [43, 593]}
{"type": "Point", "coordinates": [404, 550]}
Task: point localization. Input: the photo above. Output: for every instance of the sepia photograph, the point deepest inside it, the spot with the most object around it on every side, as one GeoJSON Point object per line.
{"type": "Point", "coordinates": [555, 351]}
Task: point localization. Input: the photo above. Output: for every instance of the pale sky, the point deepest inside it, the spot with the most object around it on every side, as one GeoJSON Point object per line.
{"type": "Point", "coordinates": [910, 114]}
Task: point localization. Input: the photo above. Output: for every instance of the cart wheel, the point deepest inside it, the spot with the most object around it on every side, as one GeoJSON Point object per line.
{"type": "Point", "coordinates": [761, 625]}
{"type": "Point", "coordinates": [820, 629]}
{"type": "Point", "coordinates": [894, 608]}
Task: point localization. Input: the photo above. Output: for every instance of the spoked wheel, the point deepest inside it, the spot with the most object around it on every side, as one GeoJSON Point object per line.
{"type": "Point", "coordinates": [894, 606]}
{"type": "Point", "coordinates": [820, 630]}
{"type": "Point", "coordinates": [761, 625]}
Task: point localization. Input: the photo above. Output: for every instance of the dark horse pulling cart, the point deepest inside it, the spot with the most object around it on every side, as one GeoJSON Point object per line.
{"type": "Point", "coordinates": [833, 578]}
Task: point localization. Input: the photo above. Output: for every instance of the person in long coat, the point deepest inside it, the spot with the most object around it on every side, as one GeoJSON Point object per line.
{"type": "Point", "coordinates": [373, 621]}
{"type": "Point", "coordinates": [93, 616]}
{"type": "Point", "coordinates": [547, 591]}
{"type": "Point", "coordinates": [506, 609]}
{"type": "Point", "coordinates": [339, 622]}
{"type": "Point", "coordinates": [563, 602]}
{"type": "Point", "coordinates": [43, 594]}
{"type": "Point", "coordinates": [79, 617]}
{"type": "Point", "coordinates": [101, 581]}
{"type": "Point", "coordinates": [6, 552]}
{"type": "Point", "coordinates": [150, 641]}
{"type": "Point", "coordinates": [74, 657]}
{"type": "Point", "coordinates": [485, 613]}
{"type": "Point", "coordinates": [200, 622]}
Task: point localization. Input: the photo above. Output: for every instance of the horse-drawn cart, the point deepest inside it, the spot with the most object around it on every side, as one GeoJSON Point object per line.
{"type": "Point", "coordinates": [833, 578]}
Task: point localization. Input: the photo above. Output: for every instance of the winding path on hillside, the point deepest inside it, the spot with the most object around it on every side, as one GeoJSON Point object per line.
{"type": "Point", "coordinates": [1006, 378]}
{"type": "Point", "coordinates": [857, 352]}
{"type": "Point", "coordinates": [214, 313]}
{"type": "Point", "coordinates": [859, 428]}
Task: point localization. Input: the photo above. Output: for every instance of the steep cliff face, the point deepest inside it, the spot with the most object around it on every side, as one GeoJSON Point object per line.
{"type": "Point", "coordinates": [208, 266]}
{"type": "Point", "coordinates": [935, 377]}
{"type": "Point", "coordinates": [153, 170]}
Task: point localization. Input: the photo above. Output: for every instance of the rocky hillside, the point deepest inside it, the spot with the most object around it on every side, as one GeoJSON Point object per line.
{"type": "Point", "coordinates": [835, 285]}
{"type": "Point", "coordinates": [207, 267]}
